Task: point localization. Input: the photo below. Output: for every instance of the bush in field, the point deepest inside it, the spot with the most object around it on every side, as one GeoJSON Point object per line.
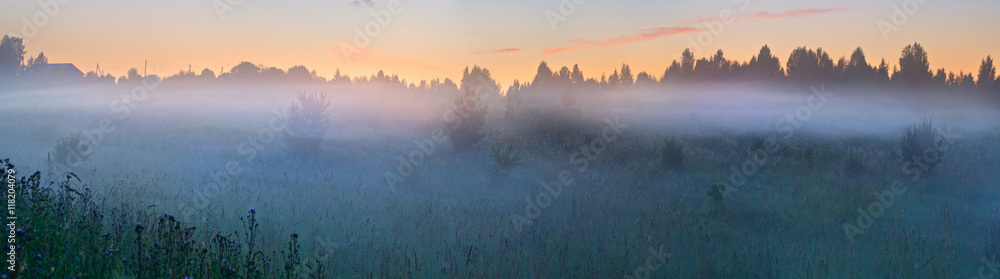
{"type": "Point", "coordinates": [505, 158]}
{"type": "Point", "coordinates": [307, 124]}
{"type": "Point", "coordinates": [68, 152]}
{"type": "Point", "coordinates": [465, 129]}
{"type": "Point", "coordinates": [717, 191]}
{"type": "Point", "coordinates": [672, 154]}
{"type": "Point", "coordinates": [918, 139]}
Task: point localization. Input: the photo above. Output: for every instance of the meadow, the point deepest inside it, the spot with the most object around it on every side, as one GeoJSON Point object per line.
{"type": "Point", "coordinates": [685, 182]}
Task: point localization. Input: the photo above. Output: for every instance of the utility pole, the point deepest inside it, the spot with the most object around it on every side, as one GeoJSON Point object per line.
{"type": "Point", "coordinates": [144, 64]}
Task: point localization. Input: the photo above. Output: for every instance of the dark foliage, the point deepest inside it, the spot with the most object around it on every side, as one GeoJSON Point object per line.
{"type": "Point", "coordinates": [307, 124]}
{"type": "Point", "coordinates": [672, 154]}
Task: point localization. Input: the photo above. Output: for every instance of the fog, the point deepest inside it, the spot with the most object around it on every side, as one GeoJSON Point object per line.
{"type": "Point", "coordinates": [167, 147]}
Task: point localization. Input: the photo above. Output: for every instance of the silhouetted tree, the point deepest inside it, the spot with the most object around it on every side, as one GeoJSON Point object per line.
{"type": "Point", "coordinates": [39, 60]}
{"type": "Point", "coordinates": [987, 73]}
{"type": "Point", "coordinates": [245, 70]}
{"type": "Point", "coordinates": [803, 65]}
{"type": "Point", "coordinates": [913, 66]}
{"type": "Point", "coordinates": [702, 69]}
{"type": "Point", "coordinates": [614, 81]}
{"type": "Point", "coordinates": [207, 74]}
{"type": "Point", "coordinates": [672, 72]}
{"type": "Point", "coordinates": [272, 74]}
{"type": "Point", "coordinates": [299, 73]}
{"type": "Point", "coordinates": [764, 65]}
{"type": "Point", "coordinates": [307, 125]}
{"type": "Point", "coordinates": [11, 56]}
{"type": "Point", "coordinates": [563, 76]}
{"type": "Point", "coordinates": [577, 75]}
{"type": "Point", "coordinates": [827, 70]}
{"type": "Point", "coordinates": [543, 76]}
{"type": "Point", "coordinates": [626, 78]}
{"type": "Point", "coordinates": [644, 80]}
{"type": "Point", "coordinates": [480, 80]}
{"type": "Point", "coordinates": [465, 130]}
{"type": "Point", "coordinates": [133, 75]}
{"type": "Point", "coordinates": [941, 78]}
{"type": "Point", "coordinates": [687, 62]}
{"type": "Point", "coordinates": [719, 67]}
{"type": "Point", "coordinates": [882, 73]}
{"type": "Point", "coordinates": [857, 69]}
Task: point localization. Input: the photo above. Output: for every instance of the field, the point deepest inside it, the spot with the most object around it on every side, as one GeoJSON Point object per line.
{"type": "Point", "coordinates": [739, 182]}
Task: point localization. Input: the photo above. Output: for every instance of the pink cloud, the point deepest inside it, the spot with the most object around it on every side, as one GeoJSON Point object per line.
{"type": "Point", "coordinates": [647, 35]}
{"type": "Point", "coordinates": [762, 15]}
{"type": "Point", "coordinates": [506, 50]}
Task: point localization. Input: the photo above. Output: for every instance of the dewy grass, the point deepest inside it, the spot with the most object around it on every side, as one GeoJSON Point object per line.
{"type": "Point", "coordinates": [781, 224]}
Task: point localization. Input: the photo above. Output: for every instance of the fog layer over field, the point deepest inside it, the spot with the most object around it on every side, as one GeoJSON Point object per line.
{"type": "Point", "coordinates": [209, 154]}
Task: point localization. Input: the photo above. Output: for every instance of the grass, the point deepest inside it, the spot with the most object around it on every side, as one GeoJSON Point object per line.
{"type": "Point", "coordinates": [784, 222]}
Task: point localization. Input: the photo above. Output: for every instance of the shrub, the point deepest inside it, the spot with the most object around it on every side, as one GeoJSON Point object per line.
{"type": "Point", "coordinates": [505, 159]}
{"type": "Point", "coordinates": [811, 156]}
{"type": "Point", "coordinates": [307, 124]}
{"type": "Point", "coordinates": [672, 154]}
{"type": "Point", "coordinates": [68, 152]}
{"type": "Point", "coordinates": [466, 129]}
{"type": "Point", "coordinates": [917, 139]}
{"type": "Point", "coordinates": [717, 190]}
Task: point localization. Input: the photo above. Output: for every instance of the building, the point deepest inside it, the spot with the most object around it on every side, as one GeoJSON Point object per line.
{"type": "Point", "coordinates": [54, 72]}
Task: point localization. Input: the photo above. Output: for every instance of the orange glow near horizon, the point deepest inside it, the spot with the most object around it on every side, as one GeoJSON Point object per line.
{"type": "Point", "coordinates": [438, 39]}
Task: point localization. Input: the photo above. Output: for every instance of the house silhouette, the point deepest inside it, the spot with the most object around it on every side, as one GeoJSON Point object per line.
{"type": "Point", "coordinates": [55, 72]}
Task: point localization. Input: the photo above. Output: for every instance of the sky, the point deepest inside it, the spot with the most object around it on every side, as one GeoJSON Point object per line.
{"type": "Point", "coordinates": [439, 38]}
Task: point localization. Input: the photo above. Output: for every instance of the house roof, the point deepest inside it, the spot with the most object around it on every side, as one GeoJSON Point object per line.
{"type": "Point", "coordinates": [63, 68]}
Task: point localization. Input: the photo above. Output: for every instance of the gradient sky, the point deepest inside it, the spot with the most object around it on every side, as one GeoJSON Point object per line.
{"type": "Point", "coordinates": [438, 38]}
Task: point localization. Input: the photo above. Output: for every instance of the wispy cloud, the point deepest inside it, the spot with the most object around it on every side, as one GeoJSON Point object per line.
{"type": "Point", "coordinates": [792, 13]}
{"type": "Point", "coordinates": [506, 50]}
{"type": "Point", "coordinates": [649, 34]}
{"type": "Point", "coordinates": [761, 15]}
{"type": "Point", "coordinates": [655, 33]}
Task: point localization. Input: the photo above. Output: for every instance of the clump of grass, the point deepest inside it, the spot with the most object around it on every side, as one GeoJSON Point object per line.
{"type": "Point", "coordinates": [505, 158]}
{"type": "Point", "coordinates": [307, 124]}
{"type": "Point", "coordinates": [66, 233]}
{"type": "Point", "coordinates": [672, 154]}
{"type": "Point", "coordinates": [919, 139]}
{"type": "Point", "coordinates": [292, 260]}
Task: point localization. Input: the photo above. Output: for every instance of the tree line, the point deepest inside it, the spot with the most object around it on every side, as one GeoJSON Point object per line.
{"type": "Point", "coordinates": [803, 65]}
